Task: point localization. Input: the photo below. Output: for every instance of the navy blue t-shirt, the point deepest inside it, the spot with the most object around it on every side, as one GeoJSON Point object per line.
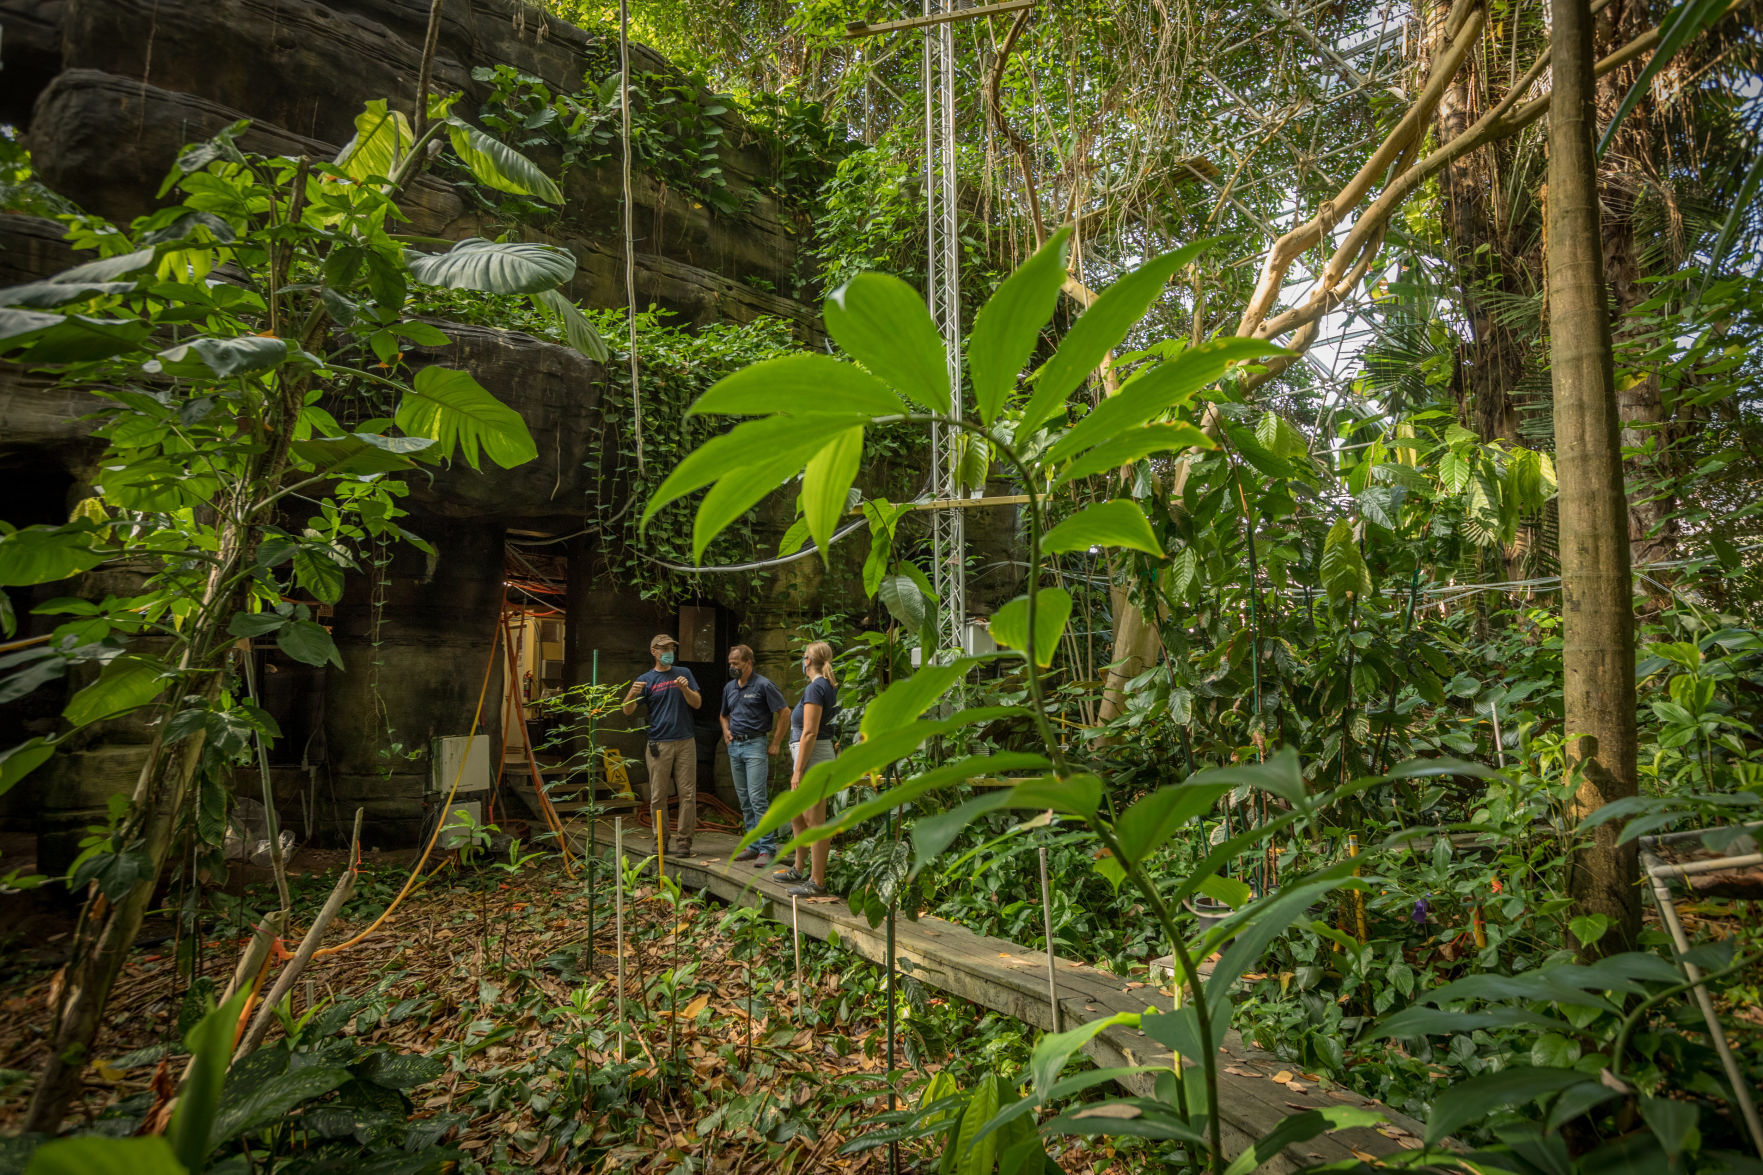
{"type": "Point", "coordinates": [749, 709]}
{"type": "Point", "coordinates": [670, 717]}
{"type": "Point", "coordinates": [824, 694]}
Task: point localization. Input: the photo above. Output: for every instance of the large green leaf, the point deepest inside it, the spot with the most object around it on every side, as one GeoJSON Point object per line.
{"type": "Point", "coordinates": [495, 267]}
{"type": "Point", "coordinates": [1281, 774]}
{"type": "Point", "coordinates": [873, 754]}
{"type": "Point", "coordinates": [905, 603]}
{"type": "Point", "coordinates": [1157, 817]}
{"type": "Point", "coordinates": [495, 163]}
{"type": "Point", "coordinates": [1151, 393]}
{"type": "Point", "coordinates": [733, 451]}
{"type": "Point", "coordinates": [1297, 1128]}
{"type": "Point", "coordinates": [308, 643]}
{"type": "Point", "coordinates": [803, 384]}
{"type": "Point", "coordinates": [576, 327]}
{"type": "Point", "coordinates": [883, 324]}
{"type": "Point", "coordinates": [909, 790]}
{"type": "Point", "coordinates": [269, 1102]}
{"type": "Point", "coordinates": [1463, 1102]}
{"type": "Point", "coordinates": [740, 489]}
{"type": "Point", "coordinates": [382, 138]}
{"type": "Point", "coordinates": [909, 697]}
{"type": "Point", "coordinates": [1052, 608]}
{"type": "Point", "coordinates": [975, 1155]}
{"type": "Point", "coordinates": [1258, 924]}
{"type": "Point", "coordinates": [1344, 571]}
{"type": "Point", "coordinates": [1132, 445]}
{"type": "Point", "coordinates": [1054, 1049]}
{"type": "Point", "coordinates": [239, 355]}
{"type": "Point", "coordinates": [1115, 523]}
{"type": "Point", "coordinates": [826, 485]}
{"type": "Point", "coordinates": [18, 762]}
{"type": "Point", "coordinates": [210, 1044]}
{"type": "Point", "coordinates": [359, 454]}
{"type": "Point", "coordinates": [1008, 326]}
{"type": "Point", "coordinates": [92, 1155]}
{"type": "Point", "coordinates": [107, 268]}
{"type": "Point", "coordinates": [46, 295]}
{"type": "Point", "coordinates": [1099, 331]}
{"type": "Point", "coordinates": [126, 683]}
{"type": "Point", "coordinates": [934, 832]}
{"type": "Point", "coordinates": [459, 414]}
{"type": "Point", "coordinates": [54, 339]}
{"type": "Point", "coordinates": [44, 554]}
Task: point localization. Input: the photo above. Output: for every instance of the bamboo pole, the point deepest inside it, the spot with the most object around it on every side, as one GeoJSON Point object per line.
{"type": "Point", "coordinates": [344, 889]}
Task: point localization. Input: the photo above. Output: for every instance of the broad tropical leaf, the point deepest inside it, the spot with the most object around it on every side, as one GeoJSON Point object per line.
{"type": "Point", "coordinates": [1008, 326]}
{"type": "Point", "coordinates": [1115, 523]}
{"type": "Point", "coordinates": [1052, 609]}
{"type": "Point", "coordinates": [1099, 331]}
{"type": "Point", "coordinates": [883, 324]}
{"type": "Point", "coordinates": [460, 414]}
{"type": "Point", "coordinates": [495, 267]}
{"type": "Point", "coordinates": [495, 163]}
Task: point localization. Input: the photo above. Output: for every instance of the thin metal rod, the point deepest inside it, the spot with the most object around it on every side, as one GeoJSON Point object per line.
{"type": "Point", "coordinates": [796, 941]}
{"type": "Point", "coordinates": [1709, 866]}
{"type": "Point", "coordinates": [856, 29]}
{"type": "Point", "coordinates": [1047, 923]}
{"type": "Point", "coordinates": [618, 905]}
{"type": "Point", "coordinates": [1741, 1089]}
{"type": "Point", "coordinates": [273, 825]}
{"type": "Point", "coordinates": [1666, 838]}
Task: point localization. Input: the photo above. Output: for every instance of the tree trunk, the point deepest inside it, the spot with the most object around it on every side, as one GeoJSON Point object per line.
{"type": "Point", "coordinates": [1596, 595]}
{"type": "Point", "coordinates": [1652, 532]}
{"type": "Point", "coordinates": [106, 933]}
{"type": "Point", "coordinates": [1492, 362]}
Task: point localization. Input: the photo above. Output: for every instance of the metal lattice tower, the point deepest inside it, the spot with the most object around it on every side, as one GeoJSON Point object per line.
{"type": "Point", "coordinates": [943, 293]}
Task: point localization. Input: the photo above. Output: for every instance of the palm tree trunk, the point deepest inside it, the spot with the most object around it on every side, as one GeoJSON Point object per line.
{"type": "Point", "coordinates": [1596, 594]}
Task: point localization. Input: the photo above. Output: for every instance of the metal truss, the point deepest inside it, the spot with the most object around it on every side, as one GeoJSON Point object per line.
{"type": "Point", "coordinates": [943, 292]}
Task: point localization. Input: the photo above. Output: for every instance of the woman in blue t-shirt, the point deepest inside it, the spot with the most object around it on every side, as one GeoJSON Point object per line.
{"type": "Point", "coordinates": [813, 727]}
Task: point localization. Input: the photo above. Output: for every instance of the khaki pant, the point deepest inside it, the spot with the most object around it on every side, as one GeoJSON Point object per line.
{"type": "Point", "coordinates": [675, 762]}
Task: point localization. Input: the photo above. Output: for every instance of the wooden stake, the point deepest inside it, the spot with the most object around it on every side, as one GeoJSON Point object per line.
{"type": "Point", "coordinates": [1047, 922]}
{"type": "Point", "coordinates": [284, 983]}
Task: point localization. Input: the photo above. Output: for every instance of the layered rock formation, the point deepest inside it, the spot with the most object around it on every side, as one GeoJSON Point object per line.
{"type": "Point", "coordinates": [109, 91]}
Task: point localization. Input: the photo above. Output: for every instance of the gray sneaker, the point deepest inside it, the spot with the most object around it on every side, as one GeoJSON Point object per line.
{"type": "Point", "coordinates": [789, 875]}
{"type": "Point", "coordinates": [808, 890]}
{"type": "Point", "coordinates": [745, 855]}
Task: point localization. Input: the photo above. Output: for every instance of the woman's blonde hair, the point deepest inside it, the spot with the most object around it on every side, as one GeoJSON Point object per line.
{"type": "Point", "coordinates": [820, 655]}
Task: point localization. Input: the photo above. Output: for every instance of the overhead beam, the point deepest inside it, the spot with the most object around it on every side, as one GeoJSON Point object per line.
{"type": "Point", "coordinates": [857, 28]}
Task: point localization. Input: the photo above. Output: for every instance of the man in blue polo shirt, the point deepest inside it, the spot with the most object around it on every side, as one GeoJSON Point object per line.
{"type": "Point", "coordinates": [671, 694]}
{"type": "Point", "coordinates": [752, 709]}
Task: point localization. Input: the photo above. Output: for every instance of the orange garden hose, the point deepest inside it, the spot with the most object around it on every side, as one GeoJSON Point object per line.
{"type": "Point", "coordinates": [545, 808]}
{"type": "Point", "coordinates": [416, 870]}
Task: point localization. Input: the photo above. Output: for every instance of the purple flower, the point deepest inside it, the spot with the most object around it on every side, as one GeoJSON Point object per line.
{"type": "Point", "coordinates": [1419, 914]}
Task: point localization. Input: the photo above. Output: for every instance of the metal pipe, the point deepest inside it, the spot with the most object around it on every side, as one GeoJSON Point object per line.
{"type": "Point", "coordinates": [1665, 838]}
{"type": "Point", "coordinates": [618, 905]}
{"type": "Point", "coordinates": [1741, 1091]}
{"type": "Point", "coordinates": [1047, 922]}
{"type": "Point", "coordinates": [1711, 866]}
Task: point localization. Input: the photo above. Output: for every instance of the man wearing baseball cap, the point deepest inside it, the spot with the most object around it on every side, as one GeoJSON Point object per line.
{"type": "Point", "coordinates": [672, 694]}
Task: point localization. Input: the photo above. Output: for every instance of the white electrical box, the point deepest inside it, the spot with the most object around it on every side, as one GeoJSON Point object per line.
{"type": "Point", "coordinates": [453, 828]}
{"type": "Point", "coordinates": [465, 759]}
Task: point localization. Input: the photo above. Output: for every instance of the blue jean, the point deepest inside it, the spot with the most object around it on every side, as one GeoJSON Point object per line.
{"type": "Point", "coordinates": [750, 766]}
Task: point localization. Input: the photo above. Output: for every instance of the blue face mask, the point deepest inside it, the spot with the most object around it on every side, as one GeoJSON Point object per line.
{"type": "Point", "coordinates": [666, 660]}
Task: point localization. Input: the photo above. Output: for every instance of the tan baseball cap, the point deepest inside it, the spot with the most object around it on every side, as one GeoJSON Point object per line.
{"type": "Point", "coordinates": [662, 641]}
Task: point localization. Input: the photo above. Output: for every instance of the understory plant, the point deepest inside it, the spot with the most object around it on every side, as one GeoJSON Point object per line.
{"type": "Point", "coordinates": [245, 354]}
{"type": "Point", "coordinates": [813, 413]}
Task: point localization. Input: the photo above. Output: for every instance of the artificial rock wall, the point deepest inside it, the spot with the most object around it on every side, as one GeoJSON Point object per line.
{"type": "Point", "coordinates": [108, 91]}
